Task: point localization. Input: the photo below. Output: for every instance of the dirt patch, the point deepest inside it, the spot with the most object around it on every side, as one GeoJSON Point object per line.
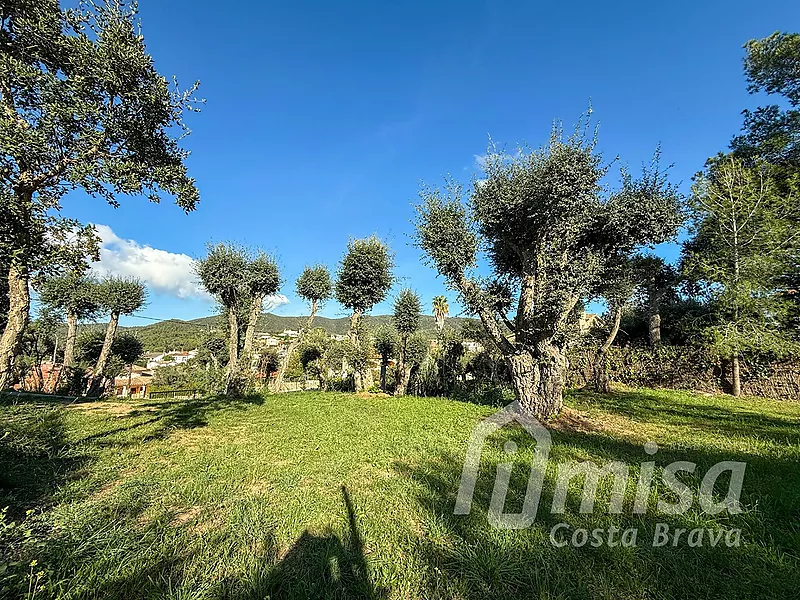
{"type": "Point", "coordinates": [367, 395]}
{"type": "Point", "coordinates": [575, 421]}
{"type": "Point", "coordinates": [184, 516]}
{"type": "Point", "coordinates": [117, 409]}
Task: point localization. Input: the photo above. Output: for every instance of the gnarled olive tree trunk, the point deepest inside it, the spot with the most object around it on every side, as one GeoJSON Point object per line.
{"type": "Point", "coordinates": [654, 330]}
{"type": "Point", "coordinates": [69, 345]}
{"type": "Point", "coordinates": [19, 304]}
{"type": "Point", "coordinates": [538, 378]}
{"type": "Point", "coordinates": [232, 371]}
{"type": "Point", "coordinates": [96, 383]}
{"type": "Point", "coordinates": [252, 325]}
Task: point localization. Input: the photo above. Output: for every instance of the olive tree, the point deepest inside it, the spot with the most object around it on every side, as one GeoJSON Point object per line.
{"type": "Point", "coordinates": [384, 340]}
{"type": "Point", "coordinates": [125, 350]}
{"type": "Point", "coordinates": [76, 296]}
{"type": "Point", "coordinates": [262, 280]}
{"type": "Point", "coordinates": [223, 273]}
{"type": "Point", "coordinates": [406, 317]}
{"type": "Point", "coordinates": [315, 287]}
{"type": "Point", "coordinates": [116, 296]}
{"type": "Point", "coordinates": [548, 226]}
{"type": "Point", "coordinates": [83, 107]}
{"type": "Point", "coordinates": [363, 279]}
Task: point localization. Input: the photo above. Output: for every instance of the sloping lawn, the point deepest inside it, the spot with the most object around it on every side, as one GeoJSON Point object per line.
{"type": "Point", "coordinates": [312, 495]}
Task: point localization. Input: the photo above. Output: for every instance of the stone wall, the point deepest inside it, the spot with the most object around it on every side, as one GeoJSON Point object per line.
{"type": "Point", "coordinates": [679, 367]}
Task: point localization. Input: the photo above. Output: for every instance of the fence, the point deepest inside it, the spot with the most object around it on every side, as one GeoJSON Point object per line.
{"type": "Point", "coordinates": [174, 394]}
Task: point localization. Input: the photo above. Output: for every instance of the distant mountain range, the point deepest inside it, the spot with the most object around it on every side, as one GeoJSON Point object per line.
{"type": "Point", "coordinates": [175, 334]}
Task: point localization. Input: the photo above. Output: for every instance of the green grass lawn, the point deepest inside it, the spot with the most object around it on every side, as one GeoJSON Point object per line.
{"type": "Point", "coordinates": [312, 495]}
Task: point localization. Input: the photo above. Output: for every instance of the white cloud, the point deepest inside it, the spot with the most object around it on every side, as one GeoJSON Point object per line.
{"type": "Point", "coordinates": [273, 302]}
{"type": "Point", "coordinates": [163, 272]}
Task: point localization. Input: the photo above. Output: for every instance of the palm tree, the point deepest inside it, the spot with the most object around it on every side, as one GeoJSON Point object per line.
{"type": "Point", "coordinates": [440, 311]}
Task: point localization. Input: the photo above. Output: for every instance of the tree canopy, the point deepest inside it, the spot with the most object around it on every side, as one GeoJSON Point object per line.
{"type": "Point", "coordinates": [314, 284]}
{"type": "Point", "coordinates": [364, 276]}
{"type": "Point", "coordinates": [549, 228]}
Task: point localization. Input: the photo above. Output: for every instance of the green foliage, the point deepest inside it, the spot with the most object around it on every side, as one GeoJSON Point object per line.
{"type": "Point", "coordinates": [682, 322]}
{"type": "Point", "coordinates": [619, 281]}
{"type": "Point", "coordinates": [126, 349]}
{"type": "Point", "coordinates": [223, 272]}
{"type": "Point", "coordinates": [551, 232]}
{"type": "Point", "coordinates": [262, 276]}
{"type": "Point", "coordinates": [440, 310]}
{"type": "Point", "coordinates": [772, 133]}
{"type": "Point", "coordinates": [416, 349]}
{"type": "Point", "coordinates": [743, 242]}
{"type": "Point", "coordinates": [314, 284]}
{"type": "Point", "coordinates": [359, 351]}
{"type": "Point", "coordinates": [72, 294]}
{"type": "Point", "coordinates": [772, 65]}
{"type": "Point", "coordinates": [364, 275]}
{"type": "Point", "coordinates": [121, 295]}
{"type": "Point", "coordinates": [407, 309]}
{"type": "Point", "coordinates": [545, 210]}
{"type": "Point", "coordinates": [313, 347]}
{"type": "Point", "coordinates": [86, 108]}
{"type": "Point", "coordinates": [445, 233]}
{"type": "Point", "coordinates": [189, 376]}
{"type": "Point", "coordinates": [384, 340]}
{"type": "Point", "coordinates": [656, 280]}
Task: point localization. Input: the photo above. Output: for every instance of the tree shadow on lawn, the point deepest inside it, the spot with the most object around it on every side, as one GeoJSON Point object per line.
{"type": "Point", "coordinates": [158, 560]}
{"type": "Point", "coordinates": [178, 414]}
{"type": "Point", "coordinates": [468, 558]}
{"type": "Point", "coordinates": [37, 457]}
{"type": "Point", "coordinates": [316, 566]}
{"type": "Point", "coordinates": [652, 407]}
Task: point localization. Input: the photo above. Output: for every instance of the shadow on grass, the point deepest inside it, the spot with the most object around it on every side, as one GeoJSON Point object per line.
{"type": "Point", "coordinates": [316, 566]}
{"type": "Point", "coordinates": [685, 410]}
{"type": "Point", "coordinates": [37, 458]}
{"type": "Point", "coordinates": [161, 562]}
{"type": "Point", "coordinates": [34, 457]}
{"type": "Point", "coordinates": [468, 558]}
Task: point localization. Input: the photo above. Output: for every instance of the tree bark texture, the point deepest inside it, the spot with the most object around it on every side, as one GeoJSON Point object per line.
{"type": "Point", "coordinates": [232, 375]}
{"type": "Point", "coordinates": [654, 330]}
{"type": "Point", "coordinates": [539, 380]}
{"type": "Point", "coordinates": [252, 324]}
{"type": "Point", "coordinates": [97, 380]}
{"type": "Point", "coordinates": [69, 345]}
{"type": "Point", "coordinates": [19, 300]}
{"type": "Point", "coordinates": [736, 377]}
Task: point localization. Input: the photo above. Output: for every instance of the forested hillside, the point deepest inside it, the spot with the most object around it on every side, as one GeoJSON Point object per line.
{"type": "Point", "coordinates": [176, 334]}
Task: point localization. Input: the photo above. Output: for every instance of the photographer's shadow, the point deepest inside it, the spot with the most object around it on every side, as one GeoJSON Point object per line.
{"type": "Point", "coordinates": [324, 566]}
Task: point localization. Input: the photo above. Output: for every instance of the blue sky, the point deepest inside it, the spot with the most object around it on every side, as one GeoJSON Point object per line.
{"type": "Point", "coordinates": [322, 118]}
